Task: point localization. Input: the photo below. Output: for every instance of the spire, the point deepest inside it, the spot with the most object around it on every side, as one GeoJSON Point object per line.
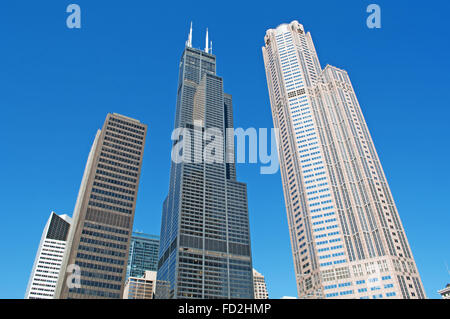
{"type": "Point", "coordinates": [207, 42]}
{"type": "Point", "coordinates": [189, 41]}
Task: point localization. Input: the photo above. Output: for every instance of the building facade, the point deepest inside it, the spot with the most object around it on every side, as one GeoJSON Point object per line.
{"type": "Point", "coordinates": [49, 257]}
{"type": "Point", "coordinates": [99, 240]}
{"type": "Point", "coordinates": [259, 286]}
{"type": "Point", "coordinates": [445, 293]}
{"type": "Point", "coordinates": [346, 235]}
{"type": "Point", "coordinates": [143, 254]}
{"type": "Point", "coordinates": [142, 287]}
{"type": "Point", "coordinates": [205, 238]}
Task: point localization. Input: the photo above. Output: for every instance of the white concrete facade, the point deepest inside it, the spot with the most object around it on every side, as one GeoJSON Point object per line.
{"type": "Point", "coordinates": [346, 235]}
{"type": "Point", "coordinates": [47, 264]}
{"type": "Point", "coordinates": [259, 285]}
{"type": "Point", "coordinates": [141, 287]}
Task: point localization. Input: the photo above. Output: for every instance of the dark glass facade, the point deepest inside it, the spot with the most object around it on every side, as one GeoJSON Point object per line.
{"type": "Point", "coordinates": [205, 239]}
{"type": "Point", "coordinates": [58, 228]}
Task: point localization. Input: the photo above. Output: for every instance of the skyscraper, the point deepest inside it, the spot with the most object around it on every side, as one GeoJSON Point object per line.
{"type": "Point", "coordinates": [205, 239]}
{"type": "Point", "coordinates": [47, 264]}
{"type": "Point", "coordinates": [98, 242]}
{"type": "Point", "coordinates": [259, 286]}
{"type": "Point", "coordinates": [143, 254]}
{"type": "Point", "coordinates": [346, 235]}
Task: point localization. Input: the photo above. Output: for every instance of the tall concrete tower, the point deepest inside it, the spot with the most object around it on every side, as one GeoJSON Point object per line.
{"type": "Point", "coordinates": [346, 235]}
{"type": "Point", "coordinates": [99, 239]}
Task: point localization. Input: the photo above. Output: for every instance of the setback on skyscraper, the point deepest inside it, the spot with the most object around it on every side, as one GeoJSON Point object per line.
{"type": "Point", "coordinates": [347, 239]}
{"type": "Point", "coordinates": [205, 238]}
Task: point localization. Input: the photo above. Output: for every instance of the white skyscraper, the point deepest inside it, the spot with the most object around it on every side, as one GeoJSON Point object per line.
{"type": "Point", "coordinates": [259, 286]}
{"type": "Point", "coordinates": [346, 235]}
{"type": "Point", "coordinates": [47, 264]}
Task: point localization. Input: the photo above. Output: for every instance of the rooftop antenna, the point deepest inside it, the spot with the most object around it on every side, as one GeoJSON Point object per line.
{"type": "Point", "coordinates": [207, 42]}
{"type": "Point", "coordinates": [210, 49]}
{"type": "Point", "coordinates": [189, 41]}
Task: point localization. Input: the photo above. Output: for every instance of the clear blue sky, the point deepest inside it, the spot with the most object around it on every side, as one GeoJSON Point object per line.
{"type": "Point", "coordinates": [57, 85]}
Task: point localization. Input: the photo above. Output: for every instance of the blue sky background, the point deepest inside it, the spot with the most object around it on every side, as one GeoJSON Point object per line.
{"type": "Point", "coordinates": [58, 84]}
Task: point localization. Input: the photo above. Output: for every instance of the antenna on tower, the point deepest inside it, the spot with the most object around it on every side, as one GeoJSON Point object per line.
{"type": "Point", "coordinates": [189, 41]}
{"type": "Point", "coordinates": [210, 49]}
{"type": "Point", "coordinates": [207, 42]}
